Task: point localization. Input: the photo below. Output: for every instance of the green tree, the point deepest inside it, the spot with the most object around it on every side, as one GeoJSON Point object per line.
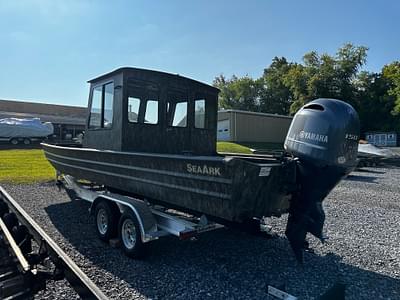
{"type": "Point", "coordinates": [391, 72]}
{"type": "Point", "coordinates": [326, 76]}
{"type": "Point", "coordinates": [296, 80]}
{"type": "Point", "coordinates": [374, 104]}
{"type": "Point", "coordinates": [285, 86]}
{"type": "Point", "coordinates": [266, 94]}
{"type": "Point", "coordinates": [275, 96]}
{"type": "Point", "coordinates": [239, 93]}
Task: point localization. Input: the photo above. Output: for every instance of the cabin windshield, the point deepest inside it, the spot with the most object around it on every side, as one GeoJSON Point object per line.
{"type": "Point", "coordinates": [101, 110]}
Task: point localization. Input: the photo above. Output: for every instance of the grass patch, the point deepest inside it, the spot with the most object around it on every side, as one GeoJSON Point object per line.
{"type": "Point", "coordinates": [25, 166]}
{"type": "Point", "coordinates": [262, 145]}
{"type": "Point", "coordinates": [232, 148]}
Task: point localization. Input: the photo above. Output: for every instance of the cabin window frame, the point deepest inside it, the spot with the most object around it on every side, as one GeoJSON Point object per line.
{"type": "Point", "coordinates": [171, 94]}
{"type": "Point", "coordinates": [92, 93]}
{"type": "Point", "coordinates": [104, 105]}
{"type": "Point", "coordinates": [144, 95]}
{"type": "Point", "coordinates": [146, 101]}
{"type": "Point", "coordinates": [209, 99]}
{"type": "Point", "coordinates": [138, 111]}
{"type": "Point", "coordinates": [102, 127]}
{"type": "Point", "coordinates": [205, 118]}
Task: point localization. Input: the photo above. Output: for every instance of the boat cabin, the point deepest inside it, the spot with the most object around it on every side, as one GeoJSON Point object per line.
{"type": "Point", "coordinates": [139, 110]}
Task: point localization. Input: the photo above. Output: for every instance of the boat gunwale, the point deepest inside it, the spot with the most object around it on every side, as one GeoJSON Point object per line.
{"type": "Point", "coordinates": [218, 158]}
{"type": "Point", "coordinates": [146, 181]}
{"type": "Point", "coordinates": [129, 167]}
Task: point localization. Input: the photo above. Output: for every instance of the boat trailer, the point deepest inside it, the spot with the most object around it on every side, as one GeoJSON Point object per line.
{"type": "Point", "coordinates": [155, 222]}
{"type": "Point", "coordinates": [148, 222]}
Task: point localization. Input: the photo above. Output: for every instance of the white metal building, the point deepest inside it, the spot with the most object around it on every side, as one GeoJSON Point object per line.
{"type": "Point", "coordinates": [246, 126]}
{"type": "Point", "coordinates": [382, 138]}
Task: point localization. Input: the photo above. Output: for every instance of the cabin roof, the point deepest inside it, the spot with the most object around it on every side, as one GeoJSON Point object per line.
{"type": "Point", "coordinates": [159, 73]}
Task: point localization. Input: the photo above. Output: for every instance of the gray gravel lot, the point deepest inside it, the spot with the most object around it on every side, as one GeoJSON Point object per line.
{"type": "Point", "coordinates": [363, 216]}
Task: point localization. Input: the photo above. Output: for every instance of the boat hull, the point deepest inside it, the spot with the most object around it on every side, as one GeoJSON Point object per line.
{"type": "Point", "coordinates": [230, 188]}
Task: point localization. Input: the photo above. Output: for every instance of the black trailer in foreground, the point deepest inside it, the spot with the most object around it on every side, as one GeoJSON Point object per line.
{"type": "Point", "coordinates": [24, 269]}
{"type": "Point", "coordinates": [151, 136]}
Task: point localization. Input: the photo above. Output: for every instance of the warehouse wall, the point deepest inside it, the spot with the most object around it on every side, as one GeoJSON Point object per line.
{"type": "Point", "coordinates": [260, 128]}
{"type": "Point", "coordinates": [256, 127]}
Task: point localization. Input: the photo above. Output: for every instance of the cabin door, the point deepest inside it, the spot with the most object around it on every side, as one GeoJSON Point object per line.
{"type": "Point", "coordinates": [203, 127]}
{"type": "Point", "coordinates": [144, 127]}
{"type": "Point", "coordinates": [177, 135]}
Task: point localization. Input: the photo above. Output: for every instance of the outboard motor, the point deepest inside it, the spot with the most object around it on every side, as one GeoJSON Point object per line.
{"type": "Point", "coordinates": [324, 138]}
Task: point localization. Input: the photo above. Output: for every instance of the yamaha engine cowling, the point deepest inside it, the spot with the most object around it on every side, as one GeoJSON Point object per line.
{"type": "Point", "coordinates": [324, 138]}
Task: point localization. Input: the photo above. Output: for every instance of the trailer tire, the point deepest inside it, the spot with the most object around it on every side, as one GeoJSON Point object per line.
{"type": "Point", "coordinates": [14, 141]}
{"type": "Point", "coordinates": [130, 235]}
{"type": "Point", "coordinates": [106, 221]}
{"type": "Point", "coordinates": [27, 141]}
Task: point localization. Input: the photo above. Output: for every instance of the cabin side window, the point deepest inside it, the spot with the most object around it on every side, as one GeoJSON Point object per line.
{"type": "Point", "coordinates": [133, 109]}
{"type": "Point", "coordinates": [200, 113]}
{"type": "Point", "coordinates": [151, 114]}
{"type": "Point", "coordinates": [205, 106]}
{"type": "Point", "coordinates": [108, 105]}
{"type": "Point", "coordinates": [177, 110]}
{"type": "Point", "coordinates": [95, 110]}
{"type": "Point", "coordinates": [180, 114]}
{"type": "Point", "coordinates": [101, 111]}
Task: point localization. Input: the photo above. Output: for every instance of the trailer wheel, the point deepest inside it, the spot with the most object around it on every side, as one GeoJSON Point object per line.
{"type": "Point", "coordinates": [130, 235]}
{"type": "Point", "coordinates": [27, 141]}
{"type": "Point", "coordinates": [14, 141]}
{"type": "Point", "coordinates": [106, 220]}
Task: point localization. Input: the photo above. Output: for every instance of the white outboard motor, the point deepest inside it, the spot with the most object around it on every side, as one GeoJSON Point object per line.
{"type": "Point", "coordinates": [324, 137]}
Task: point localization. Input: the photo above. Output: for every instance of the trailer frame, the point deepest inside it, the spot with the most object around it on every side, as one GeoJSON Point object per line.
{"type": "Point", "coordinates": [154, 221]}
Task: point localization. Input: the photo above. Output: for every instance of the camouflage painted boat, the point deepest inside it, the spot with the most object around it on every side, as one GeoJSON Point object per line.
{"type": "Point", "coordinates": [153, 135]}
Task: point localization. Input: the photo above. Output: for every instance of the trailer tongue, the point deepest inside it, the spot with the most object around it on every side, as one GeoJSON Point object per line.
{"type": "Point", "coordinates": [152, 136]}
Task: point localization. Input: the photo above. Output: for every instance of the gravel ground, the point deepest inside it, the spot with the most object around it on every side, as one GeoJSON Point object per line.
{"type": "Point", "coordinates": [363, 251]}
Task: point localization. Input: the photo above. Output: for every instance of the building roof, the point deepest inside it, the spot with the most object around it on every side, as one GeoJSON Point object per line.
{"type": "Point", "coordinates": [74, 115]}
{"type": "Point", "coordinates": [254, 113]}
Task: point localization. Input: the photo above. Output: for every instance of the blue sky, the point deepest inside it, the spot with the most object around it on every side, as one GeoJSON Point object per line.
{"type": "Point", "coordinates": [50, 48]}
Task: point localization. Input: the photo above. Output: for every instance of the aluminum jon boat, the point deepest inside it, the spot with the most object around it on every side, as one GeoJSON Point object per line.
{"type": "Point", "coordinates": [152, 135]}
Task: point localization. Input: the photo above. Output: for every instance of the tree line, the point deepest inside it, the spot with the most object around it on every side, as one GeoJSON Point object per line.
{"type": "Point", "coordinates": [286, 86]}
